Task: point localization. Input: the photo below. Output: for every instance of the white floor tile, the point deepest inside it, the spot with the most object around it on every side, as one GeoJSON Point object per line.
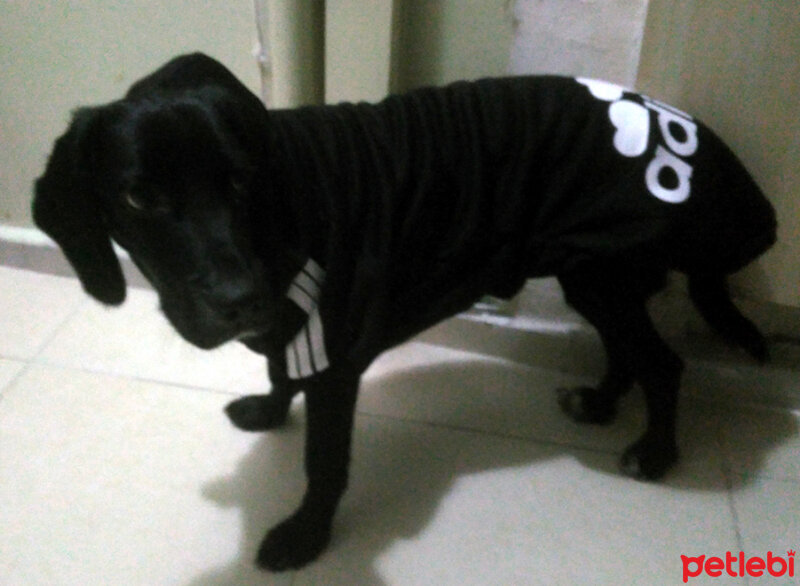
{"type": "Point", "coordinates": [118, 466]}
{"type": "Point", "coordinates": [769, 520]}
{"type": "Point", "coordinates": [763, 443]}
{"type": "Point", "coordinates": [109, 481]}
{"type": "Point", "coordinates": [135, 340]}
{"type": "Point", "coordinates": [448, 507]}
{"type": "Point", "coordinates": [421, 382]}
{"type": "Point", "coordinates": [9, 369]}
{"type": "Point", "coordinates": [32, 306]}
{"type": "Point", "coordinates": [400, 474]}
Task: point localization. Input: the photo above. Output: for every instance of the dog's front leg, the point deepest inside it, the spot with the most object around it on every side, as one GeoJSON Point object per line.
{"type": "Point", "coordinates": [265, 412]}
{"type": "Point", "coordinates": [330, 408]}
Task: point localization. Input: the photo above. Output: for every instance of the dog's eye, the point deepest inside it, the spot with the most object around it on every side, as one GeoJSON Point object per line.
{"type": "Point", "coordinates": [135, 202]}
{"type": "Point", "coordinates": [157, 207]}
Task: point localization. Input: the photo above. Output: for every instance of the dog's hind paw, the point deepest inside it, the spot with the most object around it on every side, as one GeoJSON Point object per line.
{"type": "Point", "coordinates": [587, 405]}
{"type": "Point", "coordinates": [648, 460]}
{"type": "Point", "coordinates": [258, 412]}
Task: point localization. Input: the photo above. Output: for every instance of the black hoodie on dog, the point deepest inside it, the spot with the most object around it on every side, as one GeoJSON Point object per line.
{"type": "Point", "coordinates": [410, 209]}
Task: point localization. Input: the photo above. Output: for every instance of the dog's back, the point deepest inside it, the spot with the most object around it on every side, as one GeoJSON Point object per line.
{"type": "Point", "coordinates": [518, 177]}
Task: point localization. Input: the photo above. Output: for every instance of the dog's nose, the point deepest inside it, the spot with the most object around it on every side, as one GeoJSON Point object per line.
{"type": "Point", "coordinates": [234, 294]}
{"type": "Point", "coordinates": [232, 297]}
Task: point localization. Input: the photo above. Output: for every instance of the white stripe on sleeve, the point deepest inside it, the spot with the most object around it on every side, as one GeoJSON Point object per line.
{"type": "Point", "coordinates": [314, 271]}
{"type": "Point", "coordinates": [307, 284]}
{"type": "Point", "coordinates": [291, 362]}
{"type": "Point", "coordinates": [317, 341]}
{"type": "Point", "coordinates": [305, 354]}
{"type": "Point", "coordinates": [301, 297]}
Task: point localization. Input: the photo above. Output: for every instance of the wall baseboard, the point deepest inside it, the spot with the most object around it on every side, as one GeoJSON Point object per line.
{"type": "Point", "coordinates": [31, 249]}
{"type": "Point", "coordinates": [544, 331]}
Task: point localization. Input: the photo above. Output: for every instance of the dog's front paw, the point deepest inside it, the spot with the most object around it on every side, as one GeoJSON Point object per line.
{"type": "Point", "coordinates": [258, 412]}
{"type": "Point", "coordinates": [293, 544]}
{"type": "Point", "coordinates": [648, 459]}
{"type": "Point", "coordinates": [587, 405]}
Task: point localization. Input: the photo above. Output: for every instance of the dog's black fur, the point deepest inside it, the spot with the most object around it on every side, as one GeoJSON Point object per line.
{"type": "Point", "coordinates": [192, 175]}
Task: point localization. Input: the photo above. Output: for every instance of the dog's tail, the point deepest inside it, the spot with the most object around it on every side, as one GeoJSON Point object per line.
{"type": "Point", "coordinates": [709, 292]}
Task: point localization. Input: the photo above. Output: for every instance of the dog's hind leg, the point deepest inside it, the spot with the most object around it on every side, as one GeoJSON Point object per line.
{"type": "Point", "coordinates": [613, 299]}
{"type": "Point", "coordinates": [709, 292]}
{"type": "Point", "coordinates": [598, 405]}
{"type": "Point", "coordinates": [588, 404]}
{"type": "Point", "coordinates": [265, 412]}
{"type": "Point", "coordinates": [658, 371]}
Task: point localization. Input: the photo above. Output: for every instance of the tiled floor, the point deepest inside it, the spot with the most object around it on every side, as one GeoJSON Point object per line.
{"type": "Point", "coordinates": [117, 467]}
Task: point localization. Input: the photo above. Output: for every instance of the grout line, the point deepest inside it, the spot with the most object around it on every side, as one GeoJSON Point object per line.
{"type": "Point", "coordinates": [4, 390]}
{"type": "Point", "coordinates": [493, 434]}
{"type": "Point", "coordinates": [728, 475]}
{"type": "Point", "coordinates": [137, 378]}
{"type": "Point", "coordinates": [57, 329]}
{"type": "Point", "coordinates": [31, 360]}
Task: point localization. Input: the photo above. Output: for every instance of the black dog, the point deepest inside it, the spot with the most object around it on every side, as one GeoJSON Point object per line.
{"type": "Point", "coordinates": [322, 236]}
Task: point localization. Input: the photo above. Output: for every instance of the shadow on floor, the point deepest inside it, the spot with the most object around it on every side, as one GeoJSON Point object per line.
{"type": "Point", "coordinates": [403, 469]}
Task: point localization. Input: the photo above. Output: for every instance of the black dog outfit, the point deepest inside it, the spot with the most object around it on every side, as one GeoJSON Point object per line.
{"type": "Point", "coordinates": [419, 204]}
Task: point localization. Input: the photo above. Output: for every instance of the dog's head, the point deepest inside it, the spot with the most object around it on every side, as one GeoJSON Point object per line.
{"type": "Point", "coordinates": [169, 172]}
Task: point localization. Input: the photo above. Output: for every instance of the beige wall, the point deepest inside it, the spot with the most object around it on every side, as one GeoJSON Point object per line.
{"type": "Point", "coordinates": [579, 37]}
{"type": "Point", "coordinates": [373, 48]}
{"type": "Point", "coordinates": [294, 35]}
{"type": "Point", "coordinates": [59, 55]}
{"type": "Point", "coordinates": [358, 46]}
{"type": "Point", "coordinates": [736, 65]}
{"type": "Point", "coordinates": [439, 41]}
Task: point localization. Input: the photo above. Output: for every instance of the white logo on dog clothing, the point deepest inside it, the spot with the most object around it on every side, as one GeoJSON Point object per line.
{"type": "Point", "coordinates": [668, 176]}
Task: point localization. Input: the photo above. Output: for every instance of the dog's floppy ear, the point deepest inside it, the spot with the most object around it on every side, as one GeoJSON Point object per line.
{"type": "Point", "coordinates": [187, 72]}
{"type": "Point", "coordinates": [240, 109]}
{"type": "Point", "coordinates": [66, 207]}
